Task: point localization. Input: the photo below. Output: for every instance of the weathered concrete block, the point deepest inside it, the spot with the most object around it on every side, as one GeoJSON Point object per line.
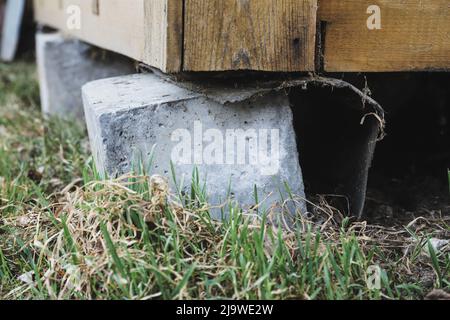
{"type": "Point", "coordinates": [237, 138]}
{"type": "Point", "coordinates": [64, 66]}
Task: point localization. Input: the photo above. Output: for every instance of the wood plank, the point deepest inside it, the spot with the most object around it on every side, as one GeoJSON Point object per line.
{"type": "Point", "coordinates": [414, 35]}
{"type": "Point", "coordinates": [163, 23]}
{"type": "Point", "coordinates": [263, 35]}
{"type": "Point", "coordinates": [143, 30]}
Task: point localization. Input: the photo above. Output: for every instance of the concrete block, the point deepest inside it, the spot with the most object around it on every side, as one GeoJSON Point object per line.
{"type": "Point", "coordinates": [10, 29]}
{"type": "Point", "coordinates": [235, 137]}
{"type": "Point", "coordinates": [64, 66]}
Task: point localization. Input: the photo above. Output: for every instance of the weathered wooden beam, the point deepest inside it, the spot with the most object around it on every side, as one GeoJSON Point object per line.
{"type": "Point", "coordinates": [262, 35]}
{"type": "Point", "coordinates": [412, 35]}
{"type": "Point", "coordinates": [163, 30]}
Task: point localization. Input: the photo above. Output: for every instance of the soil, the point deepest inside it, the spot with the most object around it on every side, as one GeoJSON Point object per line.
{"type": "Point", "coordinates": [398, 201]}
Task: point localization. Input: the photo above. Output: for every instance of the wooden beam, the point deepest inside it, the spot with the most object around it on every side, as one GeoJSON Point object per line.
{"type": "Point", "coordinates": [147, 31]}
{"type": "Point", "coordinates": [414, 35]}
{"type": "Point", "coordinates": [263, 35]}
{"type": "Point", "coordinates": [163, 23]}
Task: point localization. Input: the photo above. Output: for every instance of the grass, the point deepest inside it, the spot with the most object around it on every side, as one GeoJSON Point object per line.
{"type": "Point", "coordinates": [66, 234]}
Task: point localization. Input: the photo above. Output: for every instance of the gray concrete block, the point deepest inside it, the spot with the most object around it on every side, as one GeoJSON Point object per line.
{"type": "Point", "coordinates": [64, 66]}
{"type": "Point", "coordinates": [233, 138]}
{"type": "Point", "coordinates": [10, 29]}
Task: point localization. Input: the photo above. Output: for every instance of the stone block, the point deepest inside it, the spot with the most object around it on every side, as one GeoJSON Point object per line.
{"type": "Point", "coordinates": [65, 65]}
{"type": "Point", "coordinates": [240, 140]}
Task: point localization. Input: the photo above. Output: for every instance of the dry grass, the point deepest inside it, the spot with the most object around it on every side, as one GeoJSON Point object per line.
{"type": "Point", "coordinates": [133, 240]}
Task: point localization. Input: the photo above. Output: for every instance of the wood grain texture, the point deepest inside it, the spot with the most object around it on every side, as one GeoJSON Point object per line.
{"type": "Point", "coordinates": [415, 35]}
{"type": "Point", "coordinates": [263, 35]}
